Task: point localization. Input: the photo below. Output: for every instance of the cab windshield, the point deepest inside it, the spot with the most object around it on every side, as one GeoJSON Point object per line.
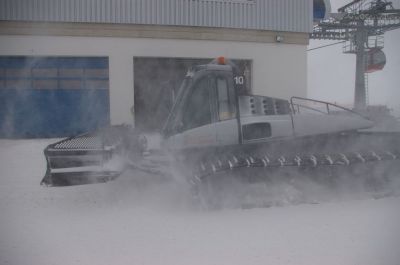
{"type": "Point", "coordinates": [174, 114]}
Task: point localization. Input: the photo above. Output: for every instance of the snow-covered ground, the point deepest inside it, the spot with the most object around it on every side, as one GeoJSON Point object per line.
{"type": "Point", "coordinates": [124, 223]}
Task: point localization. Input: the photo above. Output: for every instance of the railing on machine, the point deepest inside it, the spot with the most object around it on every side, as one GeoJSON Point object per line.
{"type": "Point", "coordinates": [327, 108]}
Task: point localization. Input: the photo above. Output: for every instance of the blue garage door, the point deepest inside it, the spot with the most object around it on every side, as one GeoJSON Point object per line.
{"type": "Point", "coordinates": [53, 96]}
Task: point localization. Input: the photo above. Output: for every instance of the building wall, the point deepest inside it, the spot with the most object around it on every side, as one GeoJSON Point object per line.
{"type": "Point", "coordinates": [279, 69]}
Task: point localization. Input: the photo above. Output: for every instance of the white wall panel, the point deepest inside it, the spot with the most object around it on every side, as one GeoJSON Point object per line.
{"type": "Point", "coordinates": [279, 15]}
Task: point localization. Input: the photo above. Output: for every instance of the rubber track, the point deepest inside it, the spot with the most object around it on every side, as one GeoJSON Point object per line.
{"type": "Point", "coordinates": [232, 162]}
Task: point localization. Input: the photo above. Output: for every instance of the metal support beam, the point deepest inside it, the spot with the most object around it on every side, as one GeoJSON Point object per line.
{"type": "Point", "coordinates": [360, 99]}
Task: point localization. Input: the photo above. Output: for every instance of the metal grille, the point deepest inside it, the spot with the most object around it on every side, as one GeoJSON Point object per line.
{"type": "Point", "coordinates": [84, 142]}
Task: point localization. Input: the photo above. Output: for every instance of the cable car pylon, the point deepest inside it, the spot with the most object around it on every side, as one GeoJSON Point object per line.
{"type": "Point", "coordinates": [361, 24]}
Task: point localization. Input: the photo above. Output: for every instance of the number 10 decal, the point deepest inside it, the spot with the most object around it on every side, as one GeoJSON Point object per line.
{"type": "Point", "coordinates": [239, 80]}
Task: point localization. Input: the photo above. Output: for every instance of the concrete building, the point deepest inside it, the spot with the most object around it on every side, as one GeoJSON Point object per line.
{"type": "Point", "coordinates": [68, 66]}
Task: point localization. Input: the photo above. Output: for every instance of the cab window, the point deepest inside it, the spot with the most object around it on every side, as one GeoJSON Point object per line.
{"type": "Point", "coordinates": [226, 99]}
{"type": "Point", "coordinates": [198, 109]}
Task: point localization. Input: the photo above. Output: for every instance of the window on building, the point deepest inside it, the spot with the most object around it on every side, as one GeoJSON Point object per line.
{"type": "Point", "coordinates": [17, 72]}
{"type": "Point", "coordinates": [53, 96]}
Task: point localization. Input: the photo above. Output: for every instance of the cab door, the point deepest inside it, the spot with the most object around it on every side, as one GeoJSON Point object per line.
{"type": "Point", "coordinates": [196, 122]}
{"type": "Point", "coordinates": [227, 123]}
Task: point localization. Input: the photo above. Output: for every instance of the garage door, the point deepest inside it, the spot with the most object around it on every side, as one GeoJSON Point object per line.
{"type": "Point", "coordinates": [156, 83]}
{"type": "Point", "coordinates": [53, 96]}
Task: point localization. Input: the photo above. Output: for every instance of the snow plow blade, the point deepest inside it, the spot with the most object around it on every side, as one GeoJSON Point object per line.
{"type": "Point", "coordinates": [60, 179]}
{"type": "Point", "coordinates": [85, 159]}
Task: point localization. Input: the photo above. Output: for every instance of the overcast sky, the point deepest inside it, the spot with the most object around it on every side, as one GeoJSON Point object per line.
{"type": "Point", "coordinates": [331, 73]}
